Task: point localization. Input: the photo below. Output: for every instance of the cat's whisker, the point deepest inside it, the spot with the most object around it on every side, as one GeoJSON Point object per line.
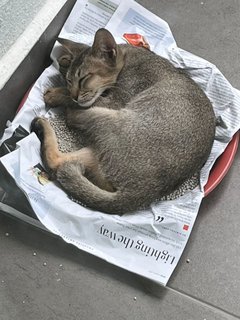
{"type": "Point", "coordinates": [107, 86]}
{"type": "Point", "coordinates": [84, 95]}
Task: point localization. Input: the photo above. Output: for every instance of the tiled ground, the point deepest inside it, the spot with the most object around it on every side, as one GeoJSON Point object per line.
{"type": "Point", "coordinates": [75, 285]}
{"type": "Point", "coordinates": [15, 16]}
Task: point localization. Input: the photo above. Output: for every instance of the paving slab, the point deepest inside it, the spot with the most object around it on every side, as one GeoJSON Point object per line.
{"type": "Point", "coordinates": [212, 274]}
{"type": "Point", "coordinates": [41, 277]}
{"type": "Point", "coordinates": [19, 12]}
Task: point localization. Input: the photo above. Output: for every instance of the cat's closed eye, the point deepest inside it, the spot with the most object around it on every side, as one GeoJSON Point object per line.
{"type": "Point", "coordinates": [84, 78]}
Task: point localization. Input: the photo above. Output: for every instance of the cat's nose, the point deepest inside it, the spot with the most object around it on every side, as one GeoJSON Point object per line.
{"type": "Point", "coordinates": [74, 93]}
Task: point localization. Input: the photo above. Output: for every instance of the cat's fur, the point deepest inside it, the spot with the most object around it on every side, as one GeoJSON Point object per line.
{"type": "Point", "coordinates": [153, 129]}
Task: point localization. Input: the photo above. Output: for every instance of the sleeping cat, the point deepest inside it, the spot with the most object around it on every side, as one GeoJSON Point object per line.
{"type": "Point", "coordinates": [146, 126]}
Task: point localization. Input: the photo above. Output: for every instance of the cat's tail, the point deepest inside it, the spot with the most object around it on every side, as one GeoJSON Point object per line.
{"type": "Point", "coordinates": [70, 176]}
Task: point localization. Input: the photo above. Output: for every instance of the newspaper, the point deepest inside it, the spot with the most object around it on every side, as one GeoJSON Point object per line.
{"type": "Point", "coordinates": [149, 242]}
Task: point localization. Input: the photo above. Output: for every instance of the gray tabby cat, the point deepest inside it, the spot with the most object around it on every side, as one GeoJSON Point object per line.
{"type": "Point", "coordinates": [146, 125]}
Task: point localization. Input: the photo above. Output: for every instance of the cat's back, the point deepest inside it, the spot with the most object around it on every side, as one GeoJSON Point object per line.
{"type": "Point", "coordinates": [142, 68]}
{"type": "Point", "coordinates": [157, 89]}
{"type": "Point", "coordinates": [148, 74]}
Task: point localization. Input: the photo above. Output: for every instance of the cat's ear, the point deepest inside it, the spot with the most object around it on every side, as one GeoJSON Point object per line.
{"type": "Point", "coordinates": [104, 46]}
{"type": "Point", "coordinates": [72, 48]}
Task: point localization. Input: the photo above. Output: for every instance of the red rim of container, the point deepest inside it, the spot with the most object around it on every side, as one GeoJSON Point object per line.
{"type": "Point", "coordinates": [220, 167]}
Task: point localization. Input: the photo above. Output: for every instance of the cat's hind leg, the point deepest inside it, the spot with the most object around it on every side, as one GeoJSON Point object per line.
{"type": "Point", "coordinates": [53, 158]}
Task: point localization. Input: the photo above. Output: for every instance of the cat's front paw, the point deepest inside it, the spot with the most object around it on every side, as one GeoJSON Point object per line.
{"type": "Point", "coordinates": [37, 126]}
{"type": "Point", "coordinates": [64, 63]}
{"type": "Point", "coordinates": [55, 97]}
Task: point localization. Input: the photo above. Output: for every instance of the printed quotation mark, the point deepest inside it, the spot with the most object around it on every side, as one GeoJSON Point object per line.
{"type": "Point", "coordinates": [159, 219]}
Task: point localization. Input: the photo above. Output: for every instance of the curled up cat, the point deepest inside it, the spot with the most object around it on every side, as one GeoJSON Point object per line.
{"type": "Point", "coordinates": [146, 126]}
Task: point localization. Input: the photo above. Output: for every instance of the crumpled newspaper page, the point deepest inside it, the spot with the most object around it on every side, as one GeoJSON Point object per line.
{"type": "Point", "coordinates": [149, 242]}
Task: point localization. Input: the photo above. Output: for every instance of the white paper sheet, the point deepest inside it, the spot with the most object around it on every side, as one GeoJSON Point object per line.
{"type": "Point", "coordinates": [149, 242]}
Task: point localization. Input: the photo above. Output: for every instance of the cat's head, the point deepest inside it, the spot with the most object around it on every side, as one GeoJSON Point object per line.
{"type": "Point", "coordinates": [89, 71]}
